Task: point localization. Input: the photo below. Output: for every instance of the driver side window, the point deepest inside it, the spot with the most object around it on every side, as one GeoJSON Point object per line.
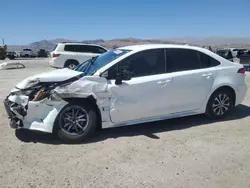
{"type": "Point", "coordinates": [145, 63]}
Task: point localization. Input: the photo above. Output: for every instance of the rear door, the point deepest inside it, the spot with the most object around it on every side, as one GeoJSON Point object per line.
{"type": "Point", "coordinates": [192, 82]}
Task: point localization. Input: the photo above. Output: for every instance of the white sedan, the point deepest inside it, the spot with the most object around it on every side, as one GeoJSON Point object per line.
{"type": "Point", "coordinates": [126, 86]}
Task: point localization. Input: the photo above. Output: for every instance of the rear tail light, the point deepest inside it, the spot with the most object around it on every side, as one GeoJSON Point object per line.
{"type": "Point", "coordinates": [242, 71]}
{"type": "Point", "coordinates": [56, 54]}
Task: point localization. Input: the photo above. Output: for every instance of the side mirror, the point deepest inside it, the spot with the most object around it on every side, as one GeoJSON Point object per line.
{"type": "Point", "coordinates": [122, 75]}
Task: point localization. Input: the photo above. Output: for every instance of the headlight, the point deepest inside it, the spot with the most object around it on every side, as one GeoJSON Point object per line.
{"type": "Point", "coordinates": [40, 95]}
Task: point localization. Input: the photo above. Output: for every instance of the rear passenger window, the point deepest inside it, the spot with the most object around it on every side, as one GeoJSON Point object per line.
{"type": "Point", "coordinates": [182, 60]}
{"type": "Point", "coordinates": [69, 48]}
{"type": "Point", "coordinates": [207, 61]}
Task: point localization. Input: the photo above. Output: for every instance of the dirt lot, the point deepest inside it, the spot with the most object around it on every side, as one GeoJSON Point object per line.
{"type": "Point", "coordinates": [187, 152]}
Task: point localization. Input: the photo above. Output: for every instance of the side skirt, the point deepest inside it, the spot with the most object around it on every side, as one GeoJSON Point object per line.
{"type": "Point", "coordinates": [147, 120]}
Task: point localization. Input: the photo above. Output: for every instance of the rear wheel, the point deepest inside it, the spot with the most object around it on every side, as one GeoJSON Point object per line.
{"type": "Point", "coordinates": [220, 104]}
{"type": "Point", "coordinates": [76, 122]}
{"type": "Point", "coordinates": [71, 64]}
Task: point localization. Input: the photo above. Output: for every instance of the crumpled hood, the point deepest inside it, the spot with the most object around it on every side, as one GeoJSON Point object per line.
{"type": "Point", "coordinates": [88, 85]}
{"type": "Point", "coordinates": [51, 76]}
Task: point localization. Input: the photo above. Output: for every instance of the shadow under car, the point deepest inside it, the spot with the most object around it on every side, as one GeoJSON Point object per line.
{"type": "Point", "coordinates": [147, 129]}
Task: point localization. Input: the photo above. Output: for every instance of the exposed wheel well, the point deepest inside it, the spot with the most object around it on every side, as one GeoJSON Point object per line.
{"type": "Point", "coordinates": [68, 61]}
{"type": "Point", "coordinates": [228, 88]}
{"type": "Point", "coordinates": [92, 101]}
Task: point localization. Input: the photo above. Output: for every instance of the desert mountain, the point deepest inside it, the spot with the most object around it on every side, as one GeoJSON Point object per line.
{"type": "Point", "coordinates": [209, 41]}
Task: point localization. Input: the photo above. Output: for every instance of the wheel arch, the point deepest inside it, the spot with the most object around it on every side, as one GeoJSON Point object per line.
{"type": "Point", "coordinates": [223, 87]}
{"type": "Point", "coordinates": [71, 60]}
{"type": "Point", "coordinates": [89, 100]}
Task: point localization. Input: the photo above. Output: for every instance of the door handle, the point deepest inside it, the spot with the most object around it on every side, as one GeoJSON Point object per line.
{"type": "Point", "coordinates": [163, 81]}
{"type": "Point", "coordinates": [207, 75]}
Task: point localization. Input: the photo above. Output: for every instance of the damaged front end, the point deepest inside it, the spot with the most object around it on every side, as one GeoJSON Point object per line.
{"type": "Point", "coordinates": [31, 104]}
{"type": "Point", "coordinates": [16, 107]}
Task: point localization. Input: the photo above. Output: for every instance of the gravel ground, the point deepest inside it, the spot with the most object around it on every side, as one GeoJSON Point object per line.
{"type": "Point", "coordinates": [187, 152]}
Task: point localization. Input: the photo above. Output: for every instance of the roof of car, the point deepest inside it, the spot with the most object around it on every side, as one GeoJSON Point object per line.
{"type": "Point", "coordinates": [153, 46]}
{"type": "Point", "coordinates": [78, 43]}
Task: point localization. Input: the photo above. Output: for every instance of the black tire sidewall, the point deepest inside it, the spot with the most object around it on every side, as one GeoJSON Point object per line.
{"type": "Point", "coordinates": [209, 110]}
{"type": "Point", "coordinates": [91, 126]}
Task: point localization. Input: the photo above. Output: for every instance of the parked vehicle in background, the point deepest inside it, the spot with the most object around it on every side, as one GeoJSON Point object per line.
{"type": "Point", "coordinates": [42, 53]}
{"type": "Point", "coordinates": [225, 53]}
{"type": "Point", "coordinates": [245, 60]}
{"type": "Point", "coordinates": [125, 86]}
{"type": "Point", "coordinates": [234, 52]}
{"type": "Point", "coordinates": [11, 55]}
{"type": "Point", "coordinates": [48, 53]}
{"type": "Point", "coordinates": [16, 54]}
{"type": "Point", "coordinates": [72, 54]}
{"type": "Point", "coordinates": [240, 52]}
{"type": "Point", "coordinates": [3, 52]}
{"type": "Point", "coordinates": [27, 53]}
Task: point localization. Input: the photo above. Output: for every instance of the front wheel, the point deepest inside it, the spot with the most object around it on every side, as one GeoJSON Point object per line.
{"type": "Point", "coordinates": [220, 104]}
{"type": "Point", "coordinates": [76, 122]}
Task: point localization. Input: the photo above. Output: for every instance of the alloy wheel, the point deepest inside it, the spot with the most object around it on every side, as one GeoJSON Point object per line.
{"type": "Point", "coordinates": [72, 66]}
{"type": "Point", "coordinates": [74, 120]}
{"type": "Point", "coordinates": [221, 104]}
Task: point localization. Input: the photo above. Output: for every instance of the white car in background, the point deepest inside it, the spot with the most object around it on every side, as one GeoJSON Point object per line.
{"type": "Point", "coordinates": [234, 52]}
{"type": "Point", "coordinates": [69, 55]}
{"type": "Point", "coordinates": [27, 53]}
{"type": "Point", "coordinates": [125, 86]}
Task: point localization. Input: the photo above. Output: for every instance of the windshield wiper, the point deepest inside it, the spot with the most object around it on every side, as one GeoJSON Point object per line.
{"type": "Point", "coordinates": [92, 60]}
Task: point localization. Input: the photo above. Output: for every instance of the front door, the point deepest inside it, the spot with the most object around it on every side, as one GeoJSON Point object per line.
{"type": "Point", "coordinates": [141, 98]}
{"type": "Point", "coordinates": [148, 94]}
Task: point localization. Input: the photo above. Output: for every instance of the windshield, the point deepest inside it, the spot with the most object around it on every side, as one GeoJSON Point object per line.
{"type": "Point", "coordinates": [90, 66]}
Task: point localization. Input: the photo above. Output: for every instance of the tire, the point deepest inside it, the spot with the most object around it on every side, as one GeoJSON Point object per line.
{"type": "Point", "coordinates": [71, 64]}
{"type": "Point", "coordinates": [74, 131]}
{"type": "Point", "coordinates": [220, 104]}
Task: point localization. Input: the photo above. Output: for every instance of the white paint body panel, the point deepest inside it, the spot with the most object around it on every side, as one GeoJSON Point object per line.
{"type": "Point", "coordinates": [191, 88]}
{"type": "Point", "coordinates": [11, 65]}
{"type": "Point", "coordinates": [40, 115]}
{"type": "Point", "coordinates": [141, 99]}
{"type": "Point", "coordinates": [137, 98]}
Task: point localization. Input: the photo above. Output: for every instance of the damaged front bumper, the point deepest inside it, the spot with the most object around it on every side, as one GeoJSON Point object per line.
{"type": "Point", "coordinates": [14, 122]}
{"type": "Point", "coordinates": [33, 115]}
